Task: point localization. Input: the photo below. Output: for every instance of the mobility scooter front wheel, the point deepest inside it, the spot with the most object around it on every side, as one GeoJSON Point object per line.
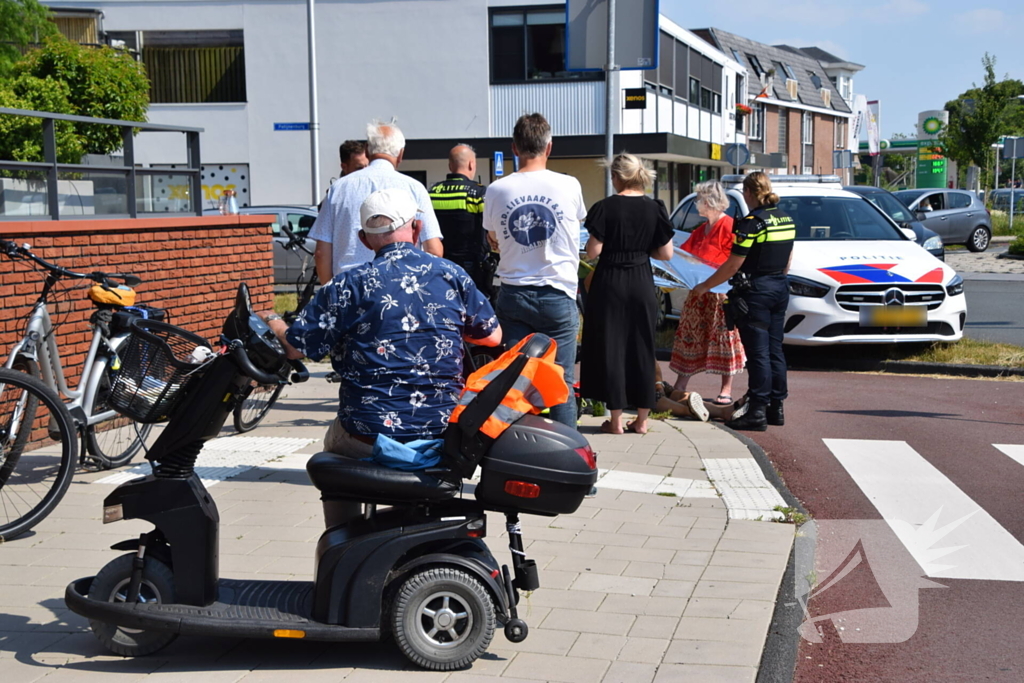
{"type": "Point", "coordinates": [113, 584]}
{"type": "Point", "coordinates": [442, 618]}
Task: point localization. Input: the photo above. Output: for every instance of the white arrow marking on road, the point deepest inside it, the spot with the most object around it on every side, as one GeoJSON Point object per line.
{"type": "Point", "coordinates": [1014, 451]}
{"type": "Point", "coordinates": [924, 509]}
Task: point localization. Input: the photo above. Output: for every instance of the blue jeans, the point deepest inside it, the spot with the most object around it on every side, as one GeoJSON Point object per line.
{"type": "Point", "coordinates": [524, 310]}
{"type": "Point", "coordinates": [761, 333]}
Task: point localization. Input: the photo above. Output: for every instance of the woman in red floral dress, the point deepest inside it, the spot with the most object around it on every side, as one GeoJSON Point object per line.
{"type": "Point", "coordinates": [702, 342]}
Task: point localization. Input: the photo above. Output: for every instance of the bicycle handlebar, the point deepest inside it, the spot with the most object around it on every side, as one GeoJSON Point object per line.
{"type": "Point", "coordinates": [13, 251]}
{"type": "Point", "coordinates": [294, 241]}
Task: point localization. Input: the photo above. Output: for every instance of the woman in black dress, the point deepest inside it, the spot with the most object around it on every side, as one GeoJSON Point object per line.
{"type": "Point", "coordinates": [626, 230]}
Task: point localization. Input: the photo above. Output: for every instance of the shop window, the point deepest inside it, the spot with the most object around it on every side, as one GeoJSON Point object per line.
{"type": "Point", "coordinates": [529, 45]}
{"type": "Point", "coordinates": [694, 92]}
{"type": "Point", "coordinates": [194, 66]}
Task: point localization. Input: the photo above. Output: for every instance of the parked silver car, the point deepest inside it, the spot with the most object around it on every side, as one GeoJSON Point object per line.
{"type": "Point", "coordinates": [299, 219]}
{"type": "Point", "coordinates": [958, 216]}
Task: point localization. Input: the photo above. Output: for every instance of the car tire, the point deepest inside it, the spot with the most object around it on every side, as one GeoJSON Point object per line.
{"type": "Point", "coordinates": [980, 239]}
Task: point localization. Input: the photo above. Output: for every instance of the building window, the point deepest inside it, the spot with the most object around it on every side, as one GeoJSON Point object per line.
{"type": "Point", "coordinates": [741, 93]}
{"type": "Point", "coordinates": [736, 55]}
{"type": "Point", "coordinates": [705, 98]}
{"type": "Point", "coordinates": [666, 63]}
{"type": "Point", "coordinates": [808, 128]}
{"type": "Point", "coordinates": [716, 103]}
{"type": "Point", "coordinates": [783, 130]}
{"type": "Point", "coordinates": [529, 45]}
{"type": "Point", "coordinates": [694, 92]}
{"type": "Point", "coordinates": [755, 64]}
{"type": "Point", "coordinates": [757, 122]}
{"type": "Point", "coordinates": [789, 71]}
{"type": "Point", "coordinates": [194, 66]}
{"type": "Point", "coordinates": [840, 137]}
{"type": "Point", "coordinates": [815, 80]}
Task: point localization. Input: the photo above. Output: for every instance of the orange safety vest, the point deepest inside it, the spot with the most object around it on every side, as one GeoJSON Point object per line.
{"type": "Point", "coordinates": [541, 385]}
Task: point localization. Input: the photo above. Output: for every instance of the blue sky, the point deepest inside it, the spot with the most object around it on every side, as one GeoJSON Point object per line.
{"type": "Point", "coordinates": [917, 54]}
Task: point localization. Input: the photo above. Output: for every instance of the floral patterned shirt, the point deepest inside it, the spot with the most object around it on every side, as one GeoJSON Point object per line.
{"type": "Point", "coordinates": [393, 328]}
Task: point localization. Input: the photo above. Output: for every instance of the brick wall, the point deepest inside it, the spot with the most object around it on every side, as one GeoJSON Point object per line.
{"type": "Point", "coordinates": [824, 143]}
{"type": "Point", "coordinates": [189, 266]}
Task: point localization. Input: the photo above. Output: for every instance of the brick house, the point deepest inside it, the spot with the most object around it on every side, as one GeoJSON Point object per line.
{"type": "Point", "coordinates": [799, 117]}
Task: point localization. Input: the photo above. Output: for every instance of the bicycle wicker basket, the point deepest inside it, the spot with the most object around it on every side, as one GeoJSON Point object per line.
{"type": "Point", "coordinates": [155, 365]}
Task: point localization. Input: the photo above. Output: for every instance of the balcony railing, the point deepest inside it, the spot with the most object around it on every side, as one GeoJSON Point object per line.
{"type": "Point", "coordinates": [116, 191]}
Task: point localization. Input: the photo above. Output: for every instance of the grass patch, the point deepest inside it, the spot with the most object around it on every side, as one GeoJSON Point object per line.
{"type": "Point", "coordinates": [1001, 224]}
{"type": "Point", "coordinates": [285, 303]}
{"type": "Point", "coordinates": [667, 494]}
{"type": "Point", "coordinates": [1017, 247]}
{"type": "Point", "coordinates": [964, 352]}
{"type": "Point", "coordinates": [663, 415]}
{"type": "Point", "coordinates": [791, 515]}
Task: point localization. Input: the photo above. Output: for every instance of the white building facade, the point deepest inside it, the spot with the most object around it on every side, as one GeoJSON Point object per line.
{"type": "Point", "coordinates": [449, 71]}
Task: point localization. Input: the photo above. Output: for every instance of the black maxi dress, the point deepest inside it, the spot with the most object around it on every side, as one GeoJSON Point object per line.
{"type": "Point", "coordinates": [617, 359]}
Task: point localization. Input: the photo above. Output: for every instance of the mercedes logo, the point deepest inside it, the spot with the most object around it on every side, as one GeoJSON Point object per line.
{"type": "Point", "coordinates": [894, 297]}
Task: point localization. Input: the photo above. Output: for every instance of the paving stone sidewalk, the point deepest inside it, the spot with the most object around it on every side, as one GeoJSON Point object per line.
{"type": "Point", "coordinates": [653, 579]}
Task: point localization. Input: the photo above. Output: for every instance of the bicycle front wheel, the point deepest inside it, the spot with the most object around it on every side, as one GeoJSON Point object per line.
{"type": "Point", "coordinates": [38, 452]}
{"type": "Point", "coordinates": [114, 442]}
{"type": "Point", "coordinates": [254, 407]}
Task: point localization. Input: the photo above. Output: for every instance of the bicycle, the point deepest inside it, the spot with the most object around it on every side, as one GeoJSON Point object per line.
{"type": "Point", "coordinates": [260, 398]}
{"type": "Point", "coordinates": [108, 439]}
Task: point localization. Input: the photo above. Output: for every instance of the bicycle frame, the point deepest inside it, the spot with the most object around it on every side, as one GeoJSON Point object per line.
{"type": "Point", "coordinates": [40, 345]}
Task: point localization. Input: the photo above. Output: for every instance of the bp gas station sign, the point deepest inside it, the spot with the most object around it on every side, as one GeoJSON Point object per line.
{"type": "Point", "coordinates": [931, 163]}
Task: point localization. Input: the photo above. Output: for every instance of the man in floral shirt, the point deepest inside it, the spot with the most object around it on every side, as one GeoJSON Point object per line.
{"type": "Point", "coordinates": [394, 329]}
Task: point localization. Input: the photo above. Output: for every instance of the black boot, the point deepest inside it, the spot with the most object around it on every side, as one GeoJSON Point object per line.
{"type": "Point", "coordinates": [776, 416]}
{"type": "Point", "coordinates": [754, 420]}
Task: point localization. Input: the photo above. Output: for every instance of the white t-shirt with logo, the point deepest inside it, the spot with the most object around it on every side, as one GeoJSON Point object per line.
{"type": "Point", "coordinates": [536, 217]}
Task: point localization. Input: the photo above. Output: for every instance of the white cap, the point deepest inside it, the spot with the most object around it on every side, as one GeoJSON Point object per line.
{"type": "Point", "coordinates": [393, 203]}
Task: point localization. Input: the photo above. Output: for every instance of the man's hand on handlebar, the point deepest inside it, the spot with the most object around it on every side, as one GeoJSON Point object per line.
{"type": "Point", "coordinates": [279, 327]}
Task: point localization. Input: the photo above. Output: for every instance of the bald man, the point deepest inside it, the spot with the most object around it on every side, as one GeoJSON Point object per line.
{"type": "Point", "coordinates": [459, 205]}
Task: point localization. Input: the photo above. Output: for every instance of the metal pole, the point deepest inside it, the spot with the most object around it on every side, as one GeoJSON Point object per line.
{"type": "Point", "coordinates": [314, 116]}
{"type": "Point", "coordinates": [610, 100]}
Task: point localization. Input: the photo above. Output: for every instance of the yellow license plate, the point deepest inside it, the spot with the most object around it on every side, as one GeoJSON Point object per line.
{"type": "Point", "coordinates": [894, 316]}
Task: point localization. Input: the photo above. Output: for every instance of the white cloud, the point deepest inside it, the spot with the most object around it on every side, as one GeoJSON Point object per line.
{"type": "Point", "coordinates": [982, 20]}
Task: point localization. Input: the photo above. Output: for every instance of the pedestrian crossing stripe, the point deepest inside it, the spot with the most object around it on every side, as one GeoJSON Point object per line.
{"type": "Point", "coordinates": [949, 534]}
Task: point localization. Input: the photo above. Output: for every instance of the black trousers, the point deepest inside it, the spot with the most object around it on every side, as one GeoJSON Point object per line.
{"type": "Point", "coordinates": [761, 334]}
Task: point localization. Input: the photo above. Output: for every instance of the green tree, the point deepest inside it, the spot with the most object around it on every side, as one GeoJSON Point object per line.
{"type": "Point", "coordinates": [102, 82]}
{"type": "Point", "coordinates": [22, 23]}
{"type": "Point", "coordinates": [979, 116]}
{"type": "Point", "coordinates": [64, 77]}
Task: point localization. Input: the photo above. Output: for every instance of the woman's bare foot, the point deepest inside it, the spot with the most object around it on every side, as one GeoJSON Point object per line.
{"type": "Point", "coordinates": [637, 427]}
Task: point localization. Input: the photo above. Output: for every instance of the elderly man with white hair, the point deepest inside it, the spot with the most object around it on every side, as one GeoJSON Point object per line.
{"type": "Point", "coordinates": [335, 229]}
{"type": "Point", "coordinates": [394, 329]}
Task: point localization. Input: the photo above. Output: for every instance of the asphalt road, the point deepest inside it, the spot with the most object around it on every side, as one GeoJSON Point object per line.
{"type": "Point", "coordinates": [995, 307]}
{"type": "Point", "coordinates": [878, 426]}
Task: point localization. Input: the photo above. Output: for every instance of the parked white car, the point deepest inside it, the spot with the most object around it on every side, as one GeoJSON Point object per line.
{"type": "Point", "coordinates": [856, 276]}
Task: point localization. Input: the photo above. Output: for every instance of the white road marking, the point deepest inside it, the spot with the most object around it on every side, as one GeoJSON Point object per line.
{"type": "Point", "coordinates": [226, 457]}
{"type": "Point", "coordinates": [1013, 450]}
{"type": "Point", "coordinates": [947, 533]}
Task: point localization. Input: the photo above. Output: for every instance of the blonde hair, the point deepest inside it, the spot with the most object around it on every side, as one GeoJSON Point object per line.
{"type": "Point", "coordinates": [759, 185]}
{"type": "Point", "coordinates": [630, 171]}
{"type": "Point", "coordinates": [712, 194]}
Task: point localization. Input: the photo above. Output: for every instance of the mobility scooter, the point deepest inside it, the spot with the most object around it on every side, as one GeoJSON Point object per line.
{"type": "Point", "coordinates": [402, 555]}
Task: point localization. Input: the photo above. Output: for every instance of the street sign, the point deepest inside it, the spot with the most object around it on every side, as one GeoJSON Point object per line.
{"type": "Point", "coordinates": [736, 154]}
{"type": "Point", "coordinates": [931, 165]}
{"type": "Point", "coordinates": [1013, 148]}
{"type": "Point", "coordinates": [499, 164]}
{"type": "Point", "coordinates": [291, 126]}
{"type": "Point", "coordinates": [636, 98]}
{"type": "Point", "coordinates": [842, 158]}
{"type": "Point", "coordinates": [586, 34]}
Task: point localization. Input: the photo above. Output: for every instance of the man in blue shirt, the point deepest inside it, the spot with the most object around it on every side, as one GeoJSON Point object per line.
{"type": "Point", "coordinates": [394, 329]}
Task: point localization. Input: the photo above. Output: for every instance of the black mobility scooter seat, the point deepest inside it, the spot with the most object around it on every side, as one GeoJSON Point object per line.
{"type": "Point", "coordinates": [342, 478]}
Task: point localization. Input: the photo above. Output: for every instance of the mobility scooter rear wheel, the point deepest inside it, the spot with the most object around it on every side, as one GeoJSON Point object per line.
{"type": "Point", "coordinates": [443, 618]}
{"type": "Point", "coordinates": [112, 585]}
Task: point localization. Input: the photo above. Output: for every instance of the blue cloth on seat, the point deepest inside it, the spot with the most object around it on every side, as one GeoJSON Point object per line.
{"type": "Point", "coordinates": [415, 455]}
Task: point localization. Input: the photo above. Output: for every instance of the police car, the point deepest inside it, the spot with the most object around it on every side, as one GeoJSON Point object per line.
{"type": "Point", "coordinates": [856, 276]}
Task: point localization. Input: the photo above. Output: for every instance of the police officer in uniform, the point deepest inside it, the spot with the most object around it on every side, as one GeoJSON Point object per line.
{"type": "Point", "coordinates": [757, 267]}
{"type": "Point", "coordinates": [458, 203]}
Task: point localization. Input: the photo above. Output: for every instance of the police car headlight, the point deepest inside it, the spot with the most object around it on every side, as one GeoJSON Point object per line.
{"type": "Point", "coordinates": [799, 286]}
{"type": "Point", "coordinates": [932, 243]}
{"type": "Point", "coordinates": [955, 286]}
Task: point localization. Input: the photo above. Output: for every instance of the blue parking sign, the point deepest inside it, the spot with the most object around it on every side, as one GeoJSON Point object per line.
{"type": "Point", "coordinates": [499, 164]}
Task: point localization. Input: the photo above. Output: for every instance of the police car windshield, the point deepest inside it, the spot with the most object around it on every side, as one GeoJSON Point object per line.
{"type": "Point", "coordinates": [837, 219]}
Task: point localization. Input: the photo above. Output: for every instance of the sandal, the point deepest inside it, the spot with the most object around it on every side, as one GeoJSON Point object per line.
{"type": "Point", "coordinates": [606, 428]}
{"type": "Point", "coordinates": [722, 400]}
